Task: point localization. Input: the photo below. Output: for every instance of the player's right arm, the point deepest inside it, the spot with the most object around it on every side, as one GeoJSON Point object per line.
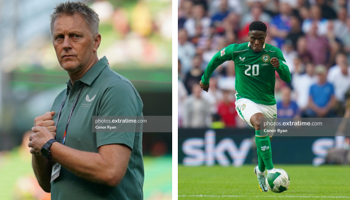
{"type": "Point", "coordinates": [41, 166]}
{"type": "Point", "coordinates": [223, 55]}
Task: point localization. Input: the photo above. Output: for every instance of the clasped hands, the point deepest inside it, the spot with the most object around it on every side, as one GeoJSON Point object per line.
{"type": "Point", "coordinates": [44, 129]}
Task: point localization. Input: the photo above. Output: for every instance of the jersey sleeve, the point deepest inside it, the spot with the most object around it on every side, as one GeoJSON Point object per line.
{"type": "Point", "coordinates": [283, 69]}
{"type": "Point", "coordinates": [223, 55]}
{"type": "Point", "coordinates": [120, 101]}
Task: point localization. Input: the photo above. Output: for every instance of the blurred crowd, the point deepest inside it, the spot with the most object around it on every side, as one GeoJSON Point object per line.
{"type": "Point", "coordinates": [312, 34]}
{"type": "Point", "coordinates": [134, 34]}
{"type": "Point", "coordinates": [143, 31]}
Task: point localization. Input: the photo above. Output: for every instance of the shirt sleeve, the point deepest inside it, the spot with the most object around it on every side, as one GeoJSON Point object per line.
{"type": "Point", "coordinates": [120, 100]}
{"type": "Point", "coordinates": [283, 69]}
{"type": "Point", "coordinates": [220, 57]}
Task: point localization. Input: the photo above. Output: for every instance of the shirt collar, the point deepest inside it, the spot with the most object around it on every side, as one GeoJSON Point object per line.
{"type": "Point", "coordinates": [263, 46]}
{"type": "Point", "coordinates": [92, 73]}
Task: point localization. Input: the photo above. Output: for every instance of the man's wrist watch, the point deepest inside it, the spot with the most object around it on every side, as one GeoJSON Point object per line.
{"type": "Point", "coordinates": [45, 150]}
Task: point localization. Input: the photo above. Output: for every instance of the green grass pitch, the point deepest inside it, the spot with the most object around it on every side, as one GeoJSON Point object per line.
{"type": "Point", "coordinates": [306, 182]}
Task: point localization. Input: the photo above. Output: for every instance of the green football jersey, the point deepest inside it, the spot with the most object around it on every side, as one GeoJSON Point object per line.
{"type": "Point", "coordinates": [255, 76]}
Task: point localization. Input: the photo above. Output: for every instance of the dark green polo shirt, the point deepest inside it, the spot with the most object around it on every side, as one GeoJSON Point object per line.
{"type": "Point", "coordinates": [105, 93]}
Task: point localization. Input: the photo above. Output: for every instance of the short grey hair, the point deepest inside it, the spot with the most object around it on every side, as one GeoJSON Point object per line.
{"type": "Point", "coordinates": [70, 8]}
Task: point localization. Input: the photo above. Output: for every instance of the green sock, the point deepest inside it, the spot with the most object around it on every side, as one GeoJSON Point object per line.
{"type": "Point", "coordinates": [261, 164]}
{"type": "Point", "coordinates": [264, 150]}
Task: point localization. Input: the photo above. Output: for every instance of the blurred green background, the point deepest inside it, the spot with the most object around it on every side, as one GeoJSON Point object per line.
{"type": "Point", "coordinates": [136, 39]}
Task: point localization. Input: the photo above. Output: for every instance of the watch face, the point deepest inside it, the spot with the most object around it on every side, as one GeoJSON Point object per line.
{"type": "Point", "coordinates": [45, 150]}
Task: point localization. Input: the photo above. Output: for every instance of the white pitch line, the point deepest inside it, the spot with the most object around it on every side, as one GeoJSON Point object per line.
{"type": "Point", "coordinates": [237, 196]}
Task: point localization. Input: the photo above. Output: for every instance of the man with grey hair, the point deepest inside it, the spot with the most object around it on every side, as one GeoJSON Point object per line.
{"type": "Point", "coordinates": [69, 159]}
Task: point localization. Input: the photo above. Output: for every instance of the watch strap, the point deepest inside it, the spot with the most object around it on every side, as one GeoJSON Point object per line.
{"type": "Point", "coordinates": [47, 147]}
{"type": "Point", "coordinates": [50, 142]}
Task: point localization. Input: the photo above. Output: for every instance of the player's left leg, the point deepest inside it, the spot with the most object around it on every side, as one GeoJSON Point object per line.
{"type": "Point", "coordinates": [263, 142]}
{"type": "Point", "coordinates": [264, 161]}
{"type": "Point", "coordinates": [270, 116]}
{"type": "Point", "coordinates": [246, 109]}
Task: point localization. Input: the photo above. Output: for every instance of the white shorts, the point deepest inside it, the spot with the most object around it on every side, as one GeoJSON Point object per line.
{"type": "Point", "coordinates": [247, 108]}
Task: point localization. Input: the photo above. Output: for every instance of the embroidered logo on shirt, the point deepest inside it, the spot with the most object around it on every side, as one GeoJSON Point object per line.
{"type": "Point", "coordinates": [265, 58]}
{"type": "Point", "coordinates": [88, 99]}
{"type": "Point", "coordinates": [242, 59]}
{"type": "Point", "coordinates": [222, 52]}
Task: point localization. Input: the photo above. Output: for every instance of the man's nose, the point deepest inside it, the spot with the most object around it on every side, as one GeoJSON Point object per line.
{"type": "Point", "coordinates": [66, 42]}
{"type": "Point", "coordinates": [256, 42]}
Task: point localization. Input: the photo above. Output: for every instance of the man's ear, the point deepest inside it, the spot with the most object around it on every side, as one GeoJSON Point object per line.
{"type": "Point", "coordinates": [97, 40]}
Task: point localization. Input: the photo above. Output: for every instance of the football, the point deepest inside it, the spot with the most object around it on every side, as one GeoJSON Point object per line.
{"type": "Point", "coordinates": [278, 180]}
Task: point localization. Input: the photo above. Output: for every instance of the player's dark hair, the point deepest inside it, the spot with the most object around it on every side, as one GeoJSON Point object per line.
{"type": "Point", "coordinates": [258, 26]}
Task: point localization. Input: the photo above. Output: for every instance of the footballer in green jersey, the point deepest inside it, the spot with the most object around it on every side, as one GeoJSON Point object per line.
{"type": "Point", "coordinates": [255, 66]}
